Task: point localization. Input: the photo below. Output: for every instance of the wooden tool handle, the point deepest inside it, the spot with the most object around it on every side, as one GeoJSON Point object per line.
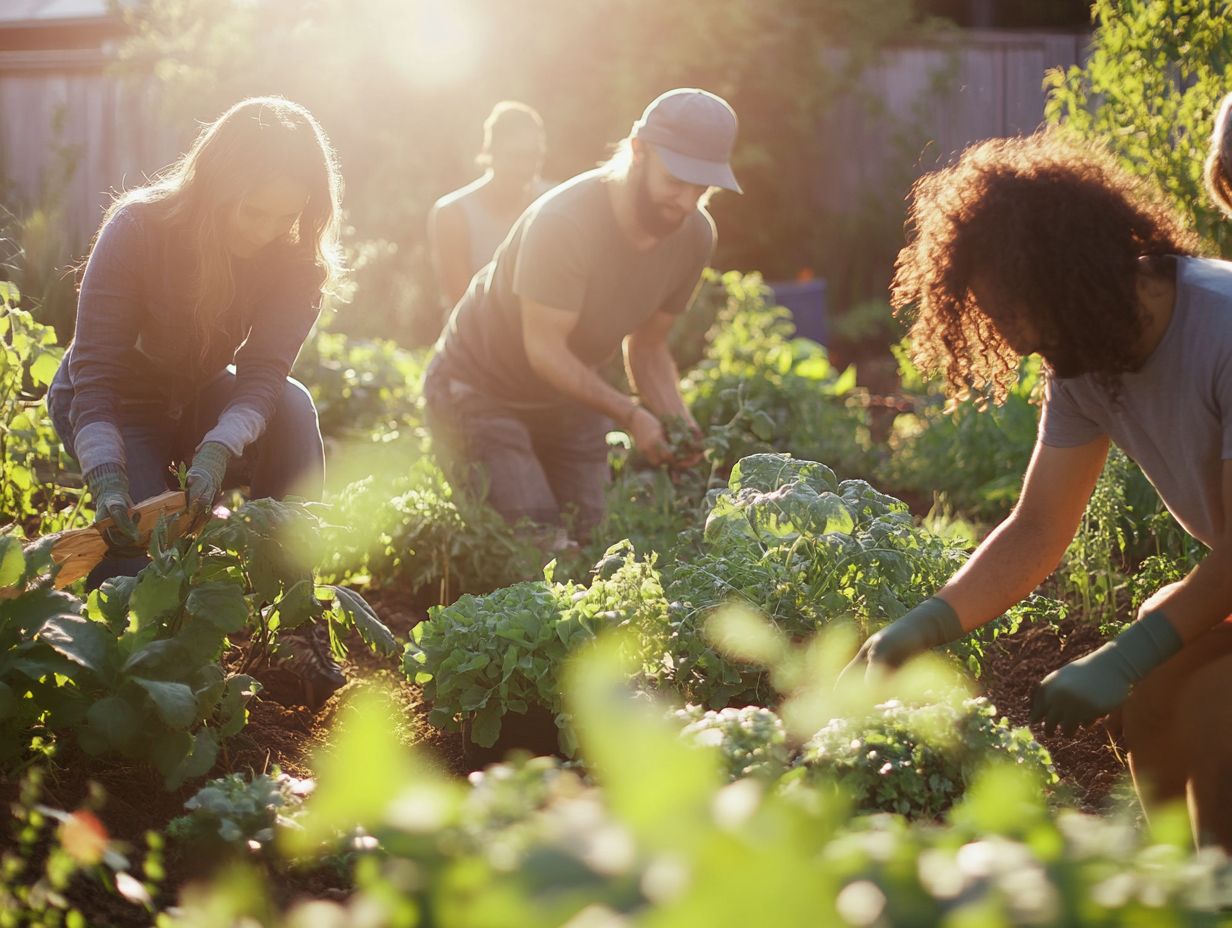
{"type": "Point", "coordinates": [79, 551]}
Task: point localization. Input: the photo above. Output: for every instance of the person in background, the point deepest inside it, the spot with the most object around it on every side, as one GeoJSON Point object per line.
{"type": "Point", "coordinates": [1218, 168]}
{"type": "Point", "coordinates": [198, 293]}
{"type": "Point", "coordinates": [608, 259]}
{"type": "Point", "coordinates": [467, 226]}
{"type": "Point", "coordinates": [1040, 246]}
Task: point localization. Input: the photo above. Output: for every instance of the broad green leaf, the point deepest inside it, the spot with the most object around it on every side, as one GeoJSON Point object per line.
{"type": "Point", "coordinates": [220, 603]}
{"type": "Point", "coordinates": [89, 644]}
{"type": "Point", "coordinates": [175, 702]}
{"type": "Point", "coordinates": [12, 561]}
{"type": "Point", "coordinates": [113, 722]}
{"type": "Point", "coordinates": [372, 630]}
{"type": "Point", "coordinates": [44, 368]}
{"type": "Point", "coordinates": [486, 726]}
{"type": "Point", "coordinates": [27, 612]}
{"type": "Point", "coordinates": [156, 594]}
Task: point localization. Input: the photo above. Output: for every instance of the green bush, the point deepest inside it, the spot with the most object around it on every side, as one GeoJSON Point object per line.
{"type": "Point", "coordinates": [788, 539]}
{"type": "Point", "coordinates": [1149, 90]}
{"type": "Point", "coordinates": [918, 760]}
{"type": "Point", "coordinates": [33, 492]}
{"type": "Point", "coordinates": [760, 389]}
{"type": "Point", "coordinates": [973, 455]}
{"type": "Point", "coordinates": [486, 656]}
{"type": "Point", "coordinates": [135, 671]}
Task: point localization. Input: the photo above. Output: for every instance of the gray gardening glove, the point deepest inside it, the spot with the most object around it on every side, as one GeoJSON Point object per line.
{"type": "Point", "coordinates": [205, 474]}
{"type": "Point", "coordinates": [931, 623]}
{"type": "Point", "coordinates": [108, 485]}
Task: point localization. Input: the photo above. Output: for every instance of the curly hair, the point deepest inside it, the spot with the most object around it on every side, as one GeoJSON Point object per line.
{"type": "Point", "coordinates": [1052, 225]}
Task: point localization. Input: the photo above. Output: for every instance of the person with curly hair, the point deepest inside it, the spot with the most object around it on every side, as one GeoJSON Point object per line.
{"type": "Point", "coordinates": [1040, 245]}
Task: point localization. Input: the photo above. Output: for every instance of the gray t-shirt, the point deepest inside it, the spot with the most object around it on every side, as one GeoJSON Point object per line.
{"type": "Point", "coordinates": [567, 252]}
{"type": "Point", "coordinates": [1174, 415]}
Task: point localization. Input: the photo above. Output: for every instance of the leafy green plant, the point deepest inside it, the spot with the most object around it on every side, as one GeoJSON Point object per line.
{"type": "Point", "coordinates": [52, 852]}
{"type": "Point", "coordinates": [918, 760]}
{"type": "Point", "coordinates": [486, 656]}
{"type": "Point", "coordinates": [660, 837]}
{"type": "Point", "coordinates": [1149, 90]}
{"type": "Point", "coordinates": [970, 453]}
{"type": "Point", "coordinates": [32, 460]}
{"type": "Point", "coordinates": [752, 739]}
{"type": "Point", "coordinates": [241, 812]}
{"type": "Point", "coordinates": [761, 389]}
{"type": "Point", "coordinates": [791, 541]}
{"type": "Point", "coordinates": [361, 387]}
{"type": "Point", "coordinates": [412, 530]}
{"type": "Point", "coordinates": [136, 670]}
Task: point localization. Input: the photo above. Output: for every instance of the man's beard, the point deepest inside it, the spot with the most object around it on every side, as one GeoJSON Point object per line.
{"type": "Point", "coordinates": [650, 215]}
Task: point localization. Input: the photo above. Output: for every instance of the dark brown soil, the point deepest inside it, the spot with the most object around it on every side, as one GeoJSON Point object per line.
{"type": "Point", "coordinates": [1090, 761]}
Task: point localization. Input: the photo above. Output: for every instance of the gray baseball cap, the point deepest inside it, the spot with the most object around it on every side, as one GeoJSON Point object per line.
{"type": "Point", "coordinates": [694, 132]}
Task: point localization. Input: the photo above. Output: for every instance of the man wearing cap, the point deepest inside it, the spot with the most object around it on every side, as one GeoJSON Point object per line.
{"type": "Point", "coordinates": [608, 259]}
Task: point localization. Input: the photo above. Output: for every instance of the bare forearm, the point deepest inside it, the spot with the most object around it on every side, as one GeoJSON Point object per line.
{"type": "Point", "coordinates": [1011, 562]}
{"type": "Point", "coordinates": [1200, 601]}
{"type": "Point", "coordinates": [652, 372]}
{"type": "Point", "coordinates": [562, 369]}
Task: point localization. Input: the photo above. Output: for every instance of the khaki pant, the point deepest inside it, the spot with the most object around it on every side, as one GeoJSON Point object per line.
{"type": "Point", "coordinates": [1177, 724]}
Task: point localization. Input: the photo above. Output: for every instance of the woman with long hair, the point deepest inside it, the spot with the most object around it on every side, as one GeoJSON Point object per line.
{"type": "Point", "coordinates": [198, 293]}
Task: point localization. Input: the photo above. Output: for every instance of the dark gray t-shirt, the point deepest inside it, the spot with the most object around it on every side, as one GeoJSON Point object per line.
{"type": "Point", "coordinates": [567, 252]}
{"type": "Point", "coordinates": [1174, 415]}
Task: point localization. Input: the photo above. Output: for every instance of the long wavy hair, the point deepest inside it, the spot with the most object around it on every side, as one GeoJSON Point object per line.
{"type": "Point", "coordinates": [1218, 168]}
{"type": "Point", "coordinates": [252, 143]}
{"type": "Point", "coordinates": [1052, 224]}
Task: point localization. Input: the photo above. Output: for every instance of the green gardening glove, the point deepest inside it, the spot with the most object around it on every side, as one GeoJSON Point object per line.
{"type": "Point", "coordinates": [205, 474]}
{"type": "Point", "coordinates": [108, 485]}
{"type": "Point", "coordinates": [1092, 686]}
{"type": "Point", "coordinates": [931, 623]}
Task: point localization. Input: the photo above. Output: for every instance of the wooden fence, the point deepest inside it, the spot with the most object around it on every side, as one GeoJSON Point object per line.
{"type": "Point", "coordinates": [935, 97]}
{"type": "Point", "coordinates": [62, 112]}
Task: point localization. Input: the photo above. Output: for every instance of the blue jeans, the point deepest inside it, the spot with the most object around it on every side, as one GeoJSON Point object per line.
{"type": "Point", "coordinates": [288, 458]}
{"type": "Point", "coordinates": [540, 464]}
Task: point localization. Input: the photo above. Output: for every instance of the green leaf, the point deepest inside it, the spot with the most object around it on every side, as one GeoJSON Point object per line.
{"type": "Point", "coordinates": [29, 611]}
{"type": "Point", "coordinates": [156, 594]}
{"type": "Point", "coordinates": [112, 722]}
{"type": "Point", "coordinates": [89, 644]}
{"type": "Point", "coordinates": [175, 702]}
{"type": "Point", "coordinates": [486, 727]}
{"type": "Point", "coordinates": [44, 367]}
{"type": "Point", "coordinates": [220, 603]}
{"type": "Point", "coordinates": [233, 707]}
{"type": "Point", "coordinates": [166, 653]}
{"type": "Point", "coordinates": [12, 561]}
{"type": "Point", "coordinates": [372, 630]}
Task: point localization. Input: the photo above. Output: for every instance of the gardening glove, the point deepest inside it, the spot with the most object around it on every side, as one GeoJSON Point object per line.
{"type": "Point", "coordinates": [933, 622]}
{"type": "Point", "coordinates": [205, 475]}
{"type": "Point", "coordinates": [1092, 686]}
{"type": "Point", "coordinates": [108, 485]}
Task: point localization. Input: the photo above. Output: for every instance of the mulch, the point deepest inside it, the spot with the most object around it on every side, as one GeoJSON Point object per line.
{"type": "Point", "coordinates": [1090, 762]}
